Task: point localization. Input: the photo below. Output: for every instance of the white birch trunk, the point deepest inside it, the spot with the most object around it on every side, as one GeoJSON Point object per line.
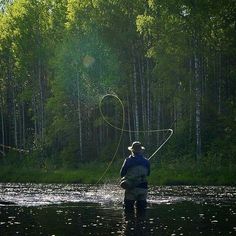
{"type": "Point", "coordinates": [23, 125]}
{"type": "Point", "coordinates": [197, 106]}
{"type": "Point", "coordinates": [79, 117]}
{"type": "Point", "coordinates": [15, 120]}
{"type": "Point", "coordinates": [41, 100]}
{"type": "Point", "coordinates": [2, 127]}
{"type": "Point", "coordinates": [35, 121]}
{"type": "Point", "coordinates": [206, 74]}
{"type": "Point", "coordinates": [158, 119]}
{"type": "Point", "coordinates": [148, 98]}
{"type": "Point", "coordinates": [190, 105]}
{"type": "Point", "coordinates": [129, 120]}
{"type": "Point", "coordinates": [142, 94]}
{"type": "Point", "coordinates": [219, 84]}
{"type": "Point", "coordinates": [136, 119]}
{"type": "Point", "coordinates": [40, 115]}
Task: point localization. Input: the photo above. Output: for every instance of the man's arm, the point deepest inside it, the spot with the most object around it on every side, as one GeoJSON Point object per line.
{"type": "Point", "coordinates": [148, 166]}
{"type": "Point", "coordinates": [123, 169]}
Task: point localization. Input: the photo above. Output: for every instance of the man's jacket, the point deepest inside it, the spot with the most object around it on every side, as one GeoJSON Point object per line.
{"type": "Point", "coordinates": [136, 168]}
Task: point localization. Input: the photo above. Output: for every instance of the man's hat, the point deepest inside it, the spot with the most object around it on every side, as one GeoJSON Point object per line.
{"type": "Point", "coordinates": [136, 147]}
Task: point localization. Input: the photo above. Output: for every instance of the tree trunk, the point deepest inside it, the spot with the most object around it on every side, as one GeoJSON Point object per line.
{"type": "Point", "coordinates": [190, 104]}
{"type": "Point", "coordinates": [197, 105]}
{"type": "Point", "coordinates": [35, 141]}
{"type": "Point", "coordinates": [135, 95]}
{"type": "Point", "coordinates": [15, 119]}
{"type": "Point", "coordinates": [23, 125]}
{"type": "Point", "coordinates": [41, 105]}
{"type": "Point", "coordinates": [79, 115]}
{"type": "Point", "coordinates": [158, 118]}
{"type": "Point", "coordinates": [143, 110]}
{"type": "Point", "coordinates": [148, 97]}
{"type": "Point", "coordinates": [2, 126]}
{"type": "Point", "coordinates": [129, 119]}
{"type": "Point", "coordinates": [219, 84]}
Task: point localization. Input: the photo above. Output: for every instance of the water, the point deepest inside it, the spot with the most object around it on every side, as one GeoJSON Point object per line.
{"type": "Point", "coordinates": [56, 209]}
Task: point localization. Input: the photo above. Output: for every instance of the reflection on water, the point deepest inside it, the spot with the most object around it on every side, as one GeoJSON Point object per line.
{"type": "Point", "coordinates": [46, 194]}
{"type": "Point", "coordinates": [54, 209]}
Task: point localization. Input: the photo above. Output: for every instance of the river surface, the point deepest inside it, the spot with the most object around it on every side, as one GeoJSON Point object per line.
{"type": "Point", "coordinates": [73, 209]}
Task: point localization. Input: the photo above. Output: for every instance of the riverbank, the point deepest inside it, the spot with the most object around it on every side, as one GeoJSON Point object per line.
{"type": "Point", "coordinates": [90, 173]}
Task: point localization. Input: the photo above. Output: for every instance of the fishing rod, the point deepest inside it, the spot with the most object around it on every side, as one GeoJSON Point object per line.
{"type": "Point", "coordinates": [170, 131]}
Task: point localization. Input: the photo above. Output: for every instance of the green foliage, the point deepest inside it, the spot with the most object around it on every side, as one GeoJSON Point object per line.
{"type": "Point", "coordinates": [186, 171]}
{"type": "Point", "coordinates": [58, 58]}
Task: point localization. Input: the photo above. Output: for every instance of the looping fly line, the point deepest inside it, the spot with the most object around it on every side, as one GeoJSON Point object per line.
{"type": "Point", "coordinates": [170, 131]}
{"type": "Point", "coordinates": [121, 129]}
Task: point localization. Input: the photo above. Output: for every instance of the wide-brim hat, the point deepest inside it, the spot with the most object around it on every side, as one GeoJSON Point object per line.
{"type": "Point", "coordinates": [136, 147]}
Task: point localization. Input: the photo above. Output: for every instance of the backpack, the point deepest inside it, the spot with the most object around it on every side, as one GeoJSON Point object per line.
{"type": "Point", "coordinates": [126, 183]}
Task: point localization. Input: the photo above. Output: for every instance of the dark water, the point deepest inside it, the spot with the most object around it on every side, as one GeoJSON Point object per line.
{"type": "Point", "coordinates": [53, 209]}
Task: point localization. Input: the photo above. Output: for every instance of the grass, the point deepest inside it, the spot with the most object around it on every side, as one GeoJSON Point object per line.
{"type": "Point", "coordinates": [87, 173]}
{"type": "Point", "coordinates": [161, 174]}
{"type": "Point", "coordinates": [193, 175]}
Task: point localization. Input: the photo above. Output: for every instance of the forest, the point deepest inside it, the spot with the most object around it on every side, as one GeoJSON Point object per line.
{"type": "Point", "coordinates": [171, 63]}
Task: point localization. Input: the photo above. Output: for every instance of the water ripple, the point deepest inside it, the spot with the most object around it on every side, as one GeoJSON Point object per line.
{"type": "Point", "coordinates": [47, 194]}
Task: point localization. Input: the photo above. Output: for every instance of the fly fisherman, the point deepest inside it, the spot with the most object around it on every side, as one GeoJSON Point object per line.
{"type": "Point", "coordinates": [134, 174]}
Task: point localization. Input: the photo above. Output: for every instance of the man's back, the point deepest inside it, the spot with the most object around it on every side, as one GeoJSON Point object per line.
{"type": "Point", "coordinates": [136, 165]}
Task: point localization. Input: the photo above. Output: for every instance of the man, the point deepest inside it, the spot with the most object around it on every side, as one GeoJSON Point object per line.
{"type": "Point", "coordinates": [134, 174]}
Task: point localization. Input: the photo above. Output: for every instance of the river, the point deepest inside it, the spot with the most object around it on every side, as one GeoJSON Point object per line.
{"type": "Point", "coordinates": [73, 209]}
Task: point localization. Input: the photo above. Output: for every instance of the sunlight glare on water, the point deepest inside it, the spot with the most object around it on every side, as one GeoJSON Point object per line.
{"type": "Point", "coordinates": [75, 209]}
{"type": "Point", "coordinates": [46, 194]}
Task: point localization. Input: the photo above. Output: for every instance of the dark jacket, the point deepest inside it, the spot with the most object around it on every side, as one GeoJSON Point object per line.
{"type": "Point", "coordinates": [136, 168]}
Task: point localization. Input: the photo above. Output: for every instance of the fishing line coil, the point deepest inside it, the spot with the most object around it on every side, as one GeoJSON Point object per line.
{"type": "Point", "coordinates": [122, 130]}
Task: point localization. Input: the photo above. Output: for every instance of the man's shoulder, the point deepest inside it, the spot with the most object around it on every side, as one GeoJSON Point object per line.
{"type": "Point", "coordinates": [135, 159]}
{"type": "Point", "coordinates": [130, 157]}
{"type": "Point", "coordinates": [144, 161]}
{"type": "Point", "coordinates": [143, 158]}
